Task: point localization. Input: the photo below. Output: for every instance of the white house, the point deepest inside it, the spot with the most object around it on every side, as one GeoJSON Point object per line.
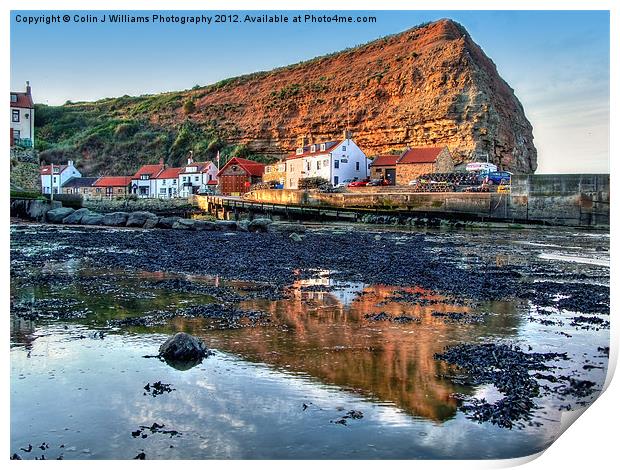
{"type": "Point", "coordinates": [54, 176]}
{"type": "Point", "coordinates": [336, 161]}
{"type": "Point", "coordinates": [144, 182]}
{"type": "Point", "coordinates": [22, 118]}
{"type": "Point", "coordinates": [167, 183]}
{"type": "Point", "coordinates": [195, 176]}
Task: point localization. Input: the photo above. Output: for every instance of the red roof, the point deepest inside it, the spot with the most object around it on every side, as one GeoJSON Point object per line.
{"type": "Point", "coordinates": [151, 170]}
{"type": "Point", "coordinates": [169, 173]}
{"type": "Point", "coordinates": [47, 169]}
{"type": "Point", "coordinates": [214, 182]}
{"type": "Point", "coordinates": [421, 155]}
{"type": "Point", "coordinates": [251, 167]}
{"type": "Point", "coordinates": [385, 160]}
{"type": "Point", "coordinates": [24, 100]}
{"type": "Point", "coordinates": [113, 181]}
{"type": "Point", "coordinates": [329, 146]}
{"type": "Point", "coordinates": [200, 167]}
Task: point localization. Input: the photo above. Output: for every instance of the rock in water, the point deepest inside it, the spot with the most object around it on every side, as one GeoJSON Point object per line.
{"type": "Point", "coordinates": [56, 216]}
{"type": "Point", "coordinates": [259, 225]}
{"type": "Point", "coordinates": [115, 219]}
{"type": "Point", "coordinates": [183, 347]}
{"type": "Point", "coordinates": [76, 217]}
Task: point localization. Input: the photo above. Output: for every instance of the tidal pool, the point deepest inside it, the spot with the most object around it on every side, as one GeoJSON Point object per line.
{"type": "Point", "coordinates": [342, 369]}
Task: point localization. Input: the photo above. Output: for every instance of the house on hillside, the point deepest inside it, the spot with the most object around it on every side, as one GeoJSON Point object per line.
{"type": "Point", "coordinates": [110, 187]}
{"type": "Point", "coordinates": [336, 161]}
{"type": "Point", "coordinates": [53, 177]}
{"type": "Point", "coordinates": [196, 177]}
{"type": "Point", "coordinates": [414, 162]}
{"type": "Point", "coordinates": [383, 167]}
{"type": "Point", "coordinates": [167, 183]}
{"type": "Point", "coordinates": [275, 173]}
{"type": "Point", "coordinates": [22, 118]}
{"type": "Point", "coordinates": [82, 186]}
{"type": "Point", "coordinates": [144, 182]}
{"type": "Point", "coordinates": [238, 175]}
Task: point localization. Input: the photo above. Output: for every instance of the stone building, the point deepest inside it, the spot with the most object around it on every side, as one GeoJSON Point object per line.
{"type": "Point", "coordinates": [383, 167]}
{"type": "Point", "coordinates": [417, 161]}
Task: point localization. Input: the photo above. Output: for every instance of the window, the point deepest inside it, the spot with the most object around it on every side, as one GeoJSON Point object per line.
{"type": "Point", "coordinates": [15, 115]}
{"type": "Point", "coordinates": [16, 134]}
{"type": "Point", "coordinates": [322, 147]}
{"type": "Point", "coordinates": [144, 177]}
{"type": "Point", "coordinates": [313, 148]}
{"type": "Point", "coordinates": [308, 165]}
{"type": "Point", "coordinates": [196, 178]}
{"type": "Point", "coordinates": [13, 98]}
{"type": "Point", "coordinates": [210, 177]}
{"type": "Point", "coordinates": [336, 164]}
{"type": "Point", "coordinates": [174, 181]}
{"type": "Point", "coordinates": [299, 151]}
{"type": "Point", "coordinates": [344, 148]}
{"type": "Point", "coordinates": [55, 179]}
{"type": "Point", "coordinates": [335, 180]}
{"type": "Point", "coordinates": [357, 166]}
{"type": "Point", "coordinates": [326, 162]}
{"type": "Point", "coordinates": [318, 164]}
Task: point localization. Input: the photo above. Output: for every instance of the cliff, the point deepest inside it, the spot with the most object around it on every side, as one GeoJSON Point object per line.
{"type": "Point", "coordinates": [431, 85]}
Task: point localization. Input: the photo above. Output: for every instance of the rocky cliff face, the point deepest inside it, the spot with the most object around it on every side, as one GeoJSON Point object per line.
{"type": "Point", "coordinates": [428, 86]}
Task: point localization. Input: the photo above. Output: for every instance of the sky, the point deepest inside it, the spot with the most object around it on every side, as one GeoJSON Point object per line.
{"type": "Point", "coordinates": [556, 61]}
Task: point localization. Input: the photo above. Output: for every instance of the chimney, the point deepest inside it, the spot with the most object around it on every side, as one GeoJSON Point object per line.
{"type": "Point", "coordinates": [70, 162]}
{"type": "Point", "coordinates": [28, 89]}
{"type": "Point", "coordinates": [346, 134]}
{"type": "Point", "coordinates": [190, 159]}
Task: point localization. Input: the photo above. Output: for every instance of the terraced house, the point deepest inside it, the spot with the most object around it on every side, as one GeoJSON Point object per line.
{"type": "Point", "coordinates": [196, 177]}
{"type": "Point", "coordinates": [335, 161]}
{"type": "Point", "coordinates": [22, 118]}
{"type": "Point", "coordinates": [144, 181]}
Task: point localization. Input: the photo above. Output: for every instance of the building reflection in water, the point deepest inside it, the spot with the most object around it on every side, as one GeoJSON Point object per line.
{"type": "Point", "coordinates": [323, 331]}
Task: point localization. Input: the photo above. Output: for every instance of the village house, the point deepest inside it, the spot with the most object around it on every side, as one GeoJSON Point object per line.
{"type": "Point", "coordinates": [167, 183]}
{"type": "Point", "coordinates": [82, 186]}
{"type": "Point", "coordinates": [238, 175]}
{"type": "Point", "coordinates": [335, 161]}
{"type": "Point", "coordinates": [22, 118]}
{"type": "Point", "coordinates": [110, 187]}
{"type": "Point", "coordinates": [53, 177]}
{"type": "Point", "coordinates": [383, 167]}
{"type": "Point", "coordinates": [417, 161]}
{"type": "Point", "coordinates": [275, 173]}
{"type": "Point", "coordinates": [196, 176]}
{"type": "Point", "coordinates": [144, 182]}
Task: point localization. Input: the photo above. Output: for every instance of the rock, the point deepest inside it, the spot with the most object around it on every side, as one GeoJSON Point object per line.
{"type": "Point", "coordinates": [32, 209]}
{"type": "Point", "coordinates": [76, 217]}
{"type": "Point", "coordinates": [115, 219]}
{"type": "Point", "coordinates": [92, 218]}
{"type": "Point", "coordinates": [138, 218]}
{"type": "Point", "coordinates": [206, 225]}
{"type": "Point", "coordinates": [226, 225]}
{"type": "Point", "coordinates": [242, 225]}
{"type": "Point", "coordinates": [288, 228]}
{"type": "Point", "coordinates": [151, 222]}
{"type": "Point", "coordinates": [167, 222]}
{"type": "Point", "coordinates": [184, 224]}
{"type": "Point", "coordinates": [259, 225]}
{"type": "Point", "coordinates": [183, 347]}
{"type": "Point", "coordinates": [295, 237]}
{"type": "Point", "coordinates": [56, 216]}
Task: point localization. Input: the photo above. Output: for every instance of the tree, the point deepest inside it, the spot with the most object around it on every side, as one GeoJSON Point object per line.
{"type": "Point", "coordinates": [189, 107]}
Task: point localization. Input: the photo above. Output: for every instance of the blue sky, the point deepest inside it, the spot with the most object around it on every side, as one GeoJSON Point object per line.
{"type": "Point", "coordinates": [557, 62]}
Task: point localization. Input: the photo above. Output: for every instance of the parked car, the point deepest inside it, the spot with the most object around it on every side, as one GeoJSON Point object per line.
{"type": "Point", "coordinates": [378, 182]}
{"type": "Point", "coordinates": [496, 177]}
{"type": "Point", "coordinates": [358, 184]}
{"type": "Point", "coordinates": [345, 183]}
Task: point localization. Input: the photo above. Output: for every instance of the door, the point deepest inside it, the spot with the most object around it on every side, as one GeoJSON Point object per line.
{"type": "Point", "coordinates": [390, 175]}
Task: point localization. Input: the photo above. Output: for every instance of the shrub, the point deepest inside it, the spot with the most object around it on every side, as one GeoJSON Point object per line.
{"type": "Point", "coordinates": [189, 107]}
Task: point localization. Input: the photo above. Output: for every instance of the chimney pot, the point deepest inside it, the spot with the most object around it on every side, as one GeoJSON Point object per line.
{"type": "Point", "coordinates": [28, 89]}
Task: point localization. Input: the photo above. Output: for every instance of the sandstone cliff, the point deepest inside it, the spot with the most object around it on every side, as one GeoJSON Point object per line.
{"type": "Point", "coordinates": [427, 86]}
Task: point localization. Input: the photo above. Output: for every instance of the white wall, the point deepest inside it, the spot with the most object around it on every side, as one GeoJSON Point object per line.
{"type": "Point", "coordinates": [57, 180]}
{"type": "Point", "coordinates": [25, 126]}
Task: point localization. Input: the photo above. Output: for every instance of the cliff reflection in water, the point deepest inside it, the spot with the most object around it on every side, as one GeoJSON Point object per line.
{"type": "Point", "coordinates": [324, 332]}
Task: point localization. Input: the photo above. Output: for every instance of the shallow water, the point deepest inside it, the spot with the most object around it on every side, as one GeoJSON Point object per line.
{"type": "Point", "coordinates": [281, 391]}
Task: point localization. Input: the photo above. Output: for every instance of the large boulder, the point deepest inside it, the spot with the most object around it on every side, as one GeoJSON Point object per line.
{"type": "Point", "coordinates": [115, 219]}
{"type": "Point", "coordinates": [205, 225]}
{"type": "Point", "coordinates": [138, 218]}
{"type": "Point", "coordinates": [226, 225]}
{"type": "Point", "coordinates": [243, 225]}
{"type": "Point", "coordinates": [167, 222]}
{"type": "Point", "coordinates": [92, 218]}
{"type": "Point", "coordinates": [151, 222]}
{"type": "Point", "coordinates": [183, 347]}
{"type": "Point", "coordinates": [76, 217]}
{"type": "Point", "coordinates": [259, 225]}
{"type": "Point", "coordinates": [287, 228]}
{"type": "Point", "coordinates": [32, 209]}
{"type": "Point", "coordinates": [56, 216]}
{"type": "Point", "coordinates": [184, 224]}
